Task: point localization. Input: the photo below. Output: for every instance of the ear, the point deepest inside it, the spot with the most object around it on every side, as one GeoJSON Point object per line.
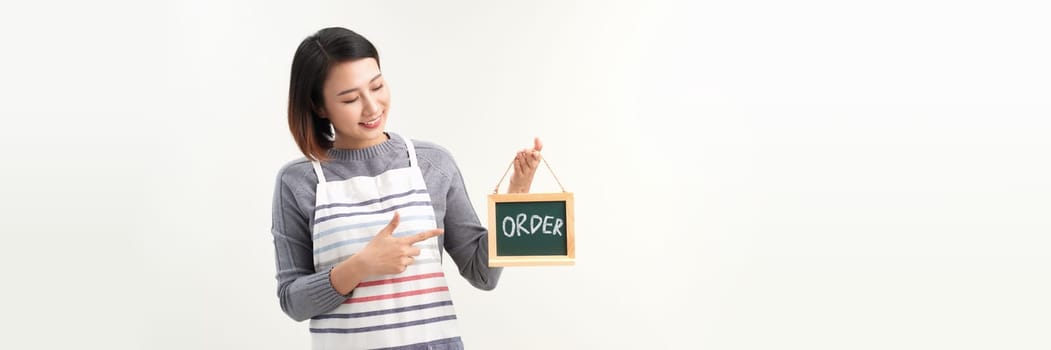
{"type": "Point", "coordinates": [319, 110]}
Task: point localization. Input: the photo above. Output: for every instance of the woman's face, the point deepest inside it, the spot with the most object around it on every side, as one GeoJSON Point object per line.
{"type": "Point", "coordinates": [356, 102]}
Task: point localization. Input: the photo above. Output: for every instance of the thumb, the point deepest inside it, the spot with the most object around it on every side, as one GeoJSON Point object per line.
{"type": "Point", "coordinates": [537, 145]}
{"type": "Point", "coordinates": [389, 229]}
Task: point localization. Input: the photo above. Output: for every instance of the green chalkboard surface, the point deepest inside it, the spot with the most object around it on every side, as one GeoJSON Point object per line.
{"type": "Point", "coordinates": [531, 229]}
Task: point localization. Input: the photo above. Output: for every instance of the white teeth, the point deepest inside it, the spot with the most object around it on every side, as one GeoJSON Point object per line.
{"type": "Point", "coordinates": [372, 122]}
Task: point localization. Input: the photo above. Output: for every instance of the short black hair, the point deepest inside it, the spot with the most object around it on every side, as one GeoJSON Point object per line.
{"type": "Point", "coordinates": [310, 67]}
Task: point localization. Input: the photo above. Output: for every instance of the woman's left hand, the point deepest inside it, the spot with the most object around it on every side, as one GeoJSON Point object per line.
{"type": "Point", "coordinates": [526, 162]}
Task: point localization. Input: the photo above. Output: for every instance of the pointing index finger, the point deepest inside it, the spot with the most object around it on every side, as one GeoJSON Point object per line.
{"type": "Point", "coordinates": [422, 236]}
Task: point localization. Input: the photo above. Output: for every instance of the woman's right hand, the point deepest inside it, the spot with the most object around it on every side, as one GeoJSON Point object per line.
{"type": "Point", "coordinates": [386, 254]}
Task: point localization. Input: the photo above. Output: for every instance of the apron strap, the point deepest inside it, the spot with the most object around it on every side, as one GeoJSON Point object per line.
{"type": "Point", "coordinates": [412, 153]}
{"type": "Point", "coordinates": [318, 171]}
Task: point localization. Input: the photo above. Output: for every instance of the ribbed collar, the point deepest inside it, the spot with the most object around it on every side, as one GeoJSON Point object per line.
{"type": "Point", "coordinates": [393, 144]}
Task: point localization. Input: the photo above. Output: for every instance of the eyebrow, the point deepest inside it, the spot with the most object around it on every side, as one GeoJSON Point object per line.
{"type": "Point", "coordinates": [347, 91]}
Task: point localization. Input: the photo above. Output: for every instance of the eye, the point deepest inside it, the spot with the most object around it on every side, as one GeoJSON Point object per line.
{"type": "Point", "coordinates": [377, 88]}
{"type": "Point", "coordinates": [351, 101]}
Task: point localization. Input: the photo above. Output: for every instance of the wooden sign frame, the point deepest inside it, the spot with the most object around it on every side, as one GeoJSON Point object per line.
{"type": "Point", "coordinates": [531, 260]}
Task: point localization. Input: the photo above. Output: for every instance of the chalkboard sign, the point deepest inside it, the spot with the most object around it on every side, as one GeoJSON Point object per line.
{"type": "Point", "coordinates": [531, 229]}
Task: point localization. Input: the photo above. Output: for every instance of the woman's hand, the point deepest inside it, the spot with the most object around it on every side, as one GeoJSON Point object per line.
{"type": "Point", "coordinates": [526, 162]}
{"type": "Point", "coordinates": [384, 255]}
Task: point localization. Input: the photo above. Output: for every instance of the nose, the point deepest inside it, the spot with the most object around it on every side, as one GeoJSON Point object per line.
{"type": "Point", "coordinates": [369, 107]}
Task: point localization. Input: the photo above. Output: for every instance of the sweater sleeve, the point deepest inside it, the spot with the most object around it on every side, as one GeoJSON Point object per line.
{"type": "Point", "coordinates": [303, 292]}
{"type": "Point", "coordinates": [466, 239]}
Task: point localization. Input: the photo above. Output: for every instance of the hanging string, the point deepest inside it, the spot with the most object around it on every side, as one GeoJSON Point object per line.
{"type": "Point", "coordinates": [497, 188]}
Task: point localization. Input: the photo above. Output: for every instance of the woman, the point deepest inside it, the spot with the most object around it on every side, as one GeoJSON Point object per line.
{"type": "Point", "coordinates": [358, 225]}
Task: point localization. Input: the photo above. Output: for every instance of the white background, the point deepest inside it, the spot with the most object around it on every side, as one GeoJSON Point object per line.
{"type": "Point", "coordinates": [748, 174]}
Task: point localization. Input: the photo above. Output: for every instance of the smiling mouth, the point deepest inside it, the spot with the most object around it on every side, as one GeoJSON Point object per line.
{"type": "Point", "coordinates": [372, 123]}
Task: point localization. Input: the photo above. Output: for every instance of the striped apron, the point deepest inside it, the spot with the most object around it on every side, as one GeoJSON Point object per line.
{"type": "Point", "coordinates": [410, 310]}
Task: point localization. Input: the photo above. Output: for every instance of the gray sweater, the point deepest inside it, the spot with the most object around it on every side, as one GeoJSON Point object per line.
{"type": "Point", "coordinates": [304, 292]}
